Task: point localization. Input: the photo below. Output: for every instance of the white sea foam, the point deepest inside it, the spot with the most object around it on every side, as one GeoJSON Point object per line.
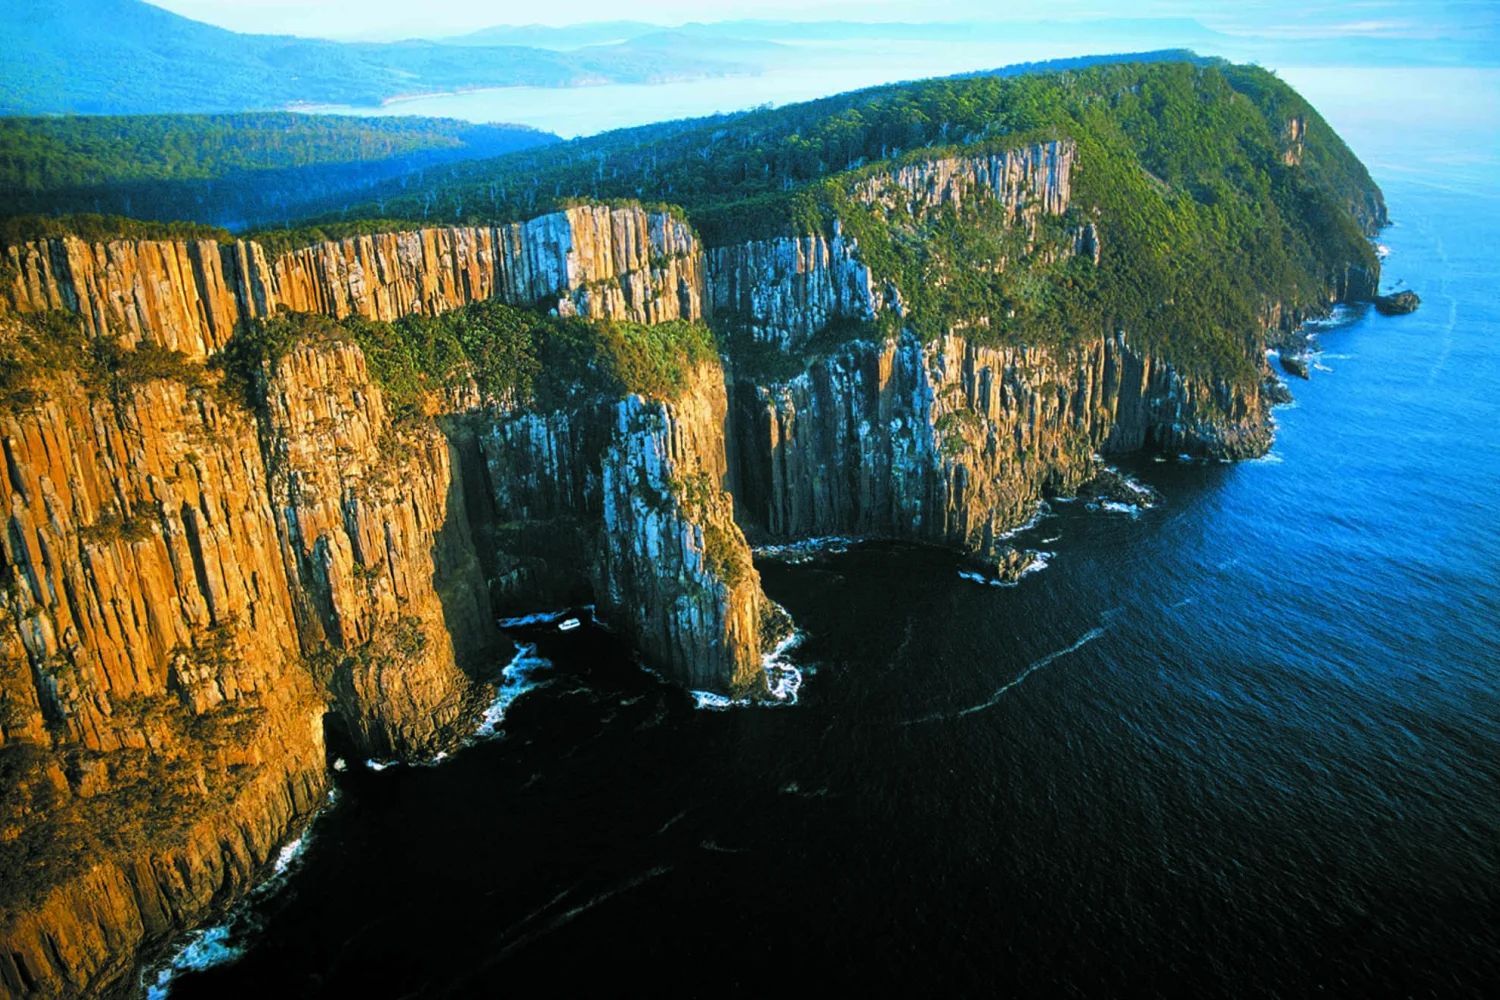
{"type": "Point", "coordinates": [289, 854]}
{"type": "Point", "coordinates": [203, 949]}
{"type": "Point", "coordinates": [783, 680]}
{"type": "Point", "coordinates": [515, 680]}
{"type": "Point", "coordinates": [1037, 564]}
{"type": "Point", "coordinates": [222, 944]}
{"type": "Point", "coordinates": [716, 702]}
{"type": "Point", "coordinates": [717, 848]}
{"type": "Point", "coordinates": [1036, 665]}
{"type": "Point", "coordinates": [522, 939]}
{"type": "Point", "coordinates": [793, 788]}
{"type": "Point", "coordinates": [1038, 513]}
{"type": "Point", "coordinates": [804, 551]}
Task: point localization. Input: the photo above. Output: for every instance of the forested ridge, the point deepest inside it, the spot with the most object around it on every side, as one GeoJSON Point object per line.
{"type": "Point", "coordinates": [1218, 195]}
{"type": "Point", "coordinates": [226, 170]}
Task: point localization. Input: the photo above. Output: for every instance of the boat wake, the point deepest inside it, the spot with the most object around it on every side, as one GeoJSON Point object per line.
{"type": "Point", "coordinates": [1033, 667]}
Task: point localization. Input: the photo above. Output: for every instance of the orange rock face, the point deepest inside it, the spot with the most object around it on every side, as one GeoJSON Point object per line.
{"type": "Point", "coordinates": [159, 735]}
{"type": "Point", "coordinates": [193, 586]}
{"type": "Point", "coordinates": [593, 261]}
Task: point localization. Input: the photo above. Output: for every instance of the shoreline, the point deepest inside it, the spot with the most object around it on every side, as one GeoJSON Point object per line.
{"type": "Point", "coordinates": [308, 108]}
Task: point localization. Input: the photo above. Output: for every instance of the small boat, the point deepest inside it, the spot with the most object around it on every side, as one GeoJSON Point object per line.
{"type": "Point", "coordinates": [1382, 251]}
{"type": "Point", "coordinates": [569, 625]}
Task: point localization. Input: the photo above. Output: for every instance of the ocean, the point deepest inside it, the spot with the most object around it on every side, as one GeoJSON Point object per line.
{"type": "Point", "coordinates": [1243, 743]}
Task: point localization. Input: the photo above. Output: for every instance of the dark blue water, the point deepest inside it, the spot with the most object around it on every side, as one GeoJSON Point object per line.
{"type": "Point", "coordinates": [1245, 744]}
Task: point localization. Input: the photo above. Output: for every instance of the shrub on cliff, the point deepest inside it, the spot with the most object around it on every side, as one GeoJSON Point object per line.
{"type": "Point", "coordinates": [585, 361]}
{"type": "Point", "coordinates": [515, 357]}
{"type": "Point", "coordinates": [101, 229]}
{"type": "Point", "coordinates": [34, 346]}
{"type": "Point", "coordinates": [37, 348]}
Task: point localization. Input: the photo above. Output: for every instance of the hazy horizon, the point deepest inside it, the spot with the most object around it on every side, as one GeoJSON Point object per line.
{"type": "Point", "coordinates": [390, 20]}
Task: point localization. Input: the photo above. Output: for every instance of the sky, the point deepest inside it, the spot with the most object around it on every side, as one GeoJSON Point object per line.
{"type": "Point", "coordinates": [390, 19]}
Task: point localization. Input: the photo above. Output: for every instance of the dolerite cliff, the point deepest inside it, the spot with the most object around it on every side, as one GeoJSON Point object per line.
{"type": "Point", "coordinates": [192, 297]}
{"type": "Point", "coordinates": [200, 584]}
{"type": "Point", "coordinates": [953, 443]}
{"type": "Point", "coordinates": [950, 442]}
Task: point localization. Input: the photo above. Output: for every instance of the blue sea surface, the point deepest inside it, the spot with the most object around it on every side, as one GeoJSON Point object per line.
{"type": "Point", "coordinates": [1244, 743]}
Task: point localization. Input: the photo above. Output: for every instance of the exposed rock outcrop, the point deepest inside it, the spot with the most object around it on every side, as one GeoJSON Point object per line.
{"type": "Point", "coordinates": [385, 580]}
{"type": "Point", "coordinates": [786, 290]}
{"type": "Point", "coordinates": [191, 584]}
{"type": "Point", "coordinates": [664, 505]}
{"type": "Point", "coordinates": [1030, 181]}
{"type": "Point", "coordinates": [953, 443]}
{"type": "Point", "coordinates": [160, 738]}
{"type": "Point", "coordinates": [594, 261]}
{"type": "Point", "coordinates": [1397, 303]}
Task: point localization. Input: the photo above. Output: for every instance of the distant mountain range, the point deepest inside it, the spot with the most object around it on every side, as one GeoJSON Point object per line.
{"type": "Point", "coordinates": [125, 57]}
{"type": "Point", "coordinates": [1183, 30]}
{"type": "Point", "coordinates": [128, 57]}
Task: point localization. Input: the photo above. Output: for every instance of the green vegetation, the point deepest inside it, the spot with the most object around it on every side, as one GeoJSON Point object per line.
{"type": "Point", "coordinates": [146, 793]}
{"type": "Point", "coordinates": [228, 170]}
{"type": "Point", "coordinates": [586, 360]}
{"type": "Point", "coordinates": [279, 241]}
{"type": "Point", "coordinates": [514, 356]}
{"type": "Point", "coordinates": [1208, 211]}
{"type": "Point", "coordinates": [726, 556]}
{"type": "Point", "coordinates": [37, 348]}
{"type": "Point", "coordinates": [111, 527]}
{"type": "Point", "coordinates": [1180, 168]}
{"type": "Point", "coordinates": [101, 229]}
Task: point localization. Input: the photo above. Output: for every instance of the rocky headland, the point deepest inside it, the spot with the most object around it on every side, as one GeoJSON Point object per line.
{"type": "Point", "coordinates": [205, 580]}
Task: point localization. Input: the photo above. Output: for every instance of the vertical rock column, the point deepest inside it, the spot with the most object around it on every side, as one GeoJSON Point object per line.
{"type": "Point", "coordinates": [953, 443]}
{"type": "Point", "coordinates": [673, 568]}
{"type": "Point", "coordinates": [158, 736]}
{"type": "Point", "coordinates": [389, 594]}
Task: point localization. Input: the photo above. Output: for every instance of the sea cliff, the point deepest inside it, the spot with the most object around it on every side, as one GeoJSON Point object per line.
{"type": "Point", "coordinates": [205, 577]}
{"type": "Point", "coordinates": [201, 579]}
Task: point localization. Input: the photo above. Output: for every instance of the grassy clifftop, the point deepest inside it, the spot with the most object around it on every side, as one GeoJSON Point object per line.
{"type": "Point", "coordinates": [1217, 190]}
